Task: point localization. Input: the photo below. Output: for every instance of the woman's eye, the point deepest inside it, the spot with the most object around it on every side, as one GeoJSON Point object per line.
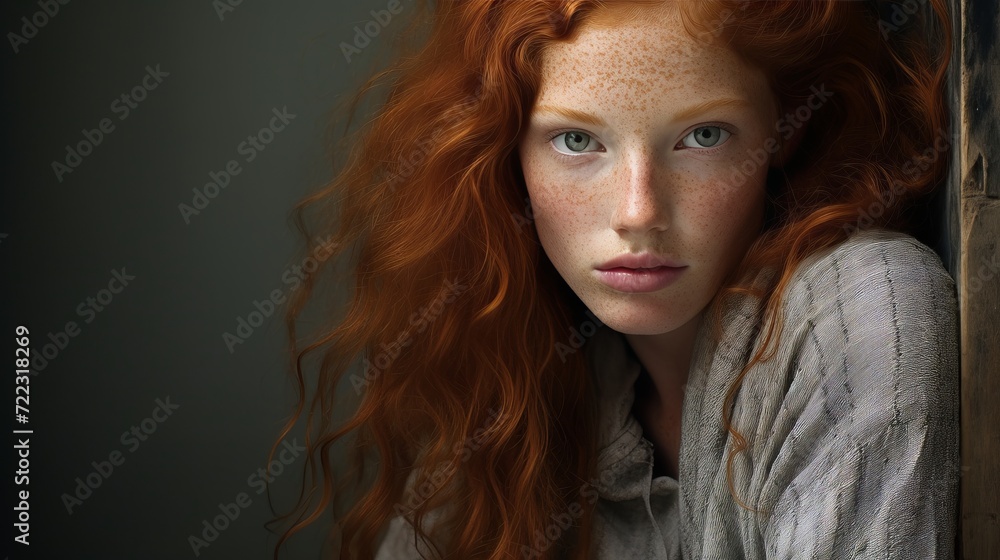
{"type": "Point", "coordinates": [574, 142]}
{"type": "Point", "coordinates": [705, 137]}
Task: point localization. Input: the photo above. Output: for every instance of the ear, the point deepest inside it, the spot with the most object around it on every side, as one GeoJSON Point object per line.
{"type": "Point", "coordinates": [788, 146]}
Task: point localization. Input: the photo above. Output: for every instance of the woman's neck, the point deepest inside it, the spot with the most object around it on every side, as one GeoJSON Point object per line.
{"type": "Point", "coordinates": [667, 357]}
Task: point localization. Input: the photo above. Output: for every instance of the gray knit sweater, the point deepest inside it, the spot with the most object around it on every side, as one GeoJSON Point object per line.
{"type": "Point", "coordinates": [852, 426]}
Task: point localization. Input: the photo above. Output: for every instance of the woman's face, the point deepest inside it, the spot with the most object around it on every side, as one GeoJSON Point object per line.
{"type": "Point", "coordinates": [642, 142]}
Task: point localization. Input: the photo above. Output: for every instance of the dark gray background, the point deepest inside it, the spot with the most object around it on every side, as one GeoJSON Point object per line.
{"type": "Point", "coordinates": [162, 335]}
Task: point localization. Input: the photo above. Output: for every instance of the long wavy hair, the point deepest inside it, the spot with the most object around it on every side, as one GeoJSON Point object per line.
{"type": "Point", "coordinates": [464, 414]}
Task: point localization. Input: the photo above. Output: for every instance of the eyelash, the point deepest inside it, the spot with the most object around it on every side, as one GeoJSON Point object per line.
{"type": "Point", "coordinates": [568, 158]}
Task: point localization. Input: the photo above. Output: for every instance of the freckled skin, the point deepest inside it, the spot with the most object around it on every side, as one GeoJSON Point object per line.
{"type": "Point", "coordinates": [642, 183]}
{"type": "Point", "coordinates": [635, 187]}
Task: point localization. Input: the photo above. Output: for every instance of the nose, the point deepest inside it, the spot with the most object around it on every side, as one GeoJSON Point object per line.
{"type": "Point", "coordinates": [642, 200]}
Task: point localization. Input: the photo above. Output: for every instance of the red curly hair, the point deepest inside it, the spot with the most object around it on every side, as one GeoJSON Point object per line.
{"type": "Point", "coordinates": [456, 311]}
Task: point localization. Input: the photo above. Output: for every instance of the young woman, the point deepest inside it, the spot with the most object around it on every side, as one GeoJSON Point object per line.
{"type": "Point", "coordinates": [633, 280]}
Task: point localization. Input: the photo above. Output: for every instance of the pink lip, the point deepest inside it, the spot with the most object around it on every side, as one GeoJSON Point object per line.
{"type": "Point", "coordinates": [639, 280]}
{"type": "Point", "coordinates": [639, 273]}
{"type": "Point", "coordinates": [641, 260]}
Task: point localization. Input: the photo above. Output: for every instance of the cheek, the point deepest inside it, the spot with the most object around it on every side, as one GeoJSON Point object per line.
{"type": "Point", "coordinates": [536, 178]}
{"type": "Point", "coordinates": [719, 215]}
{"type": "Point", "coordinates": [732, 206]}
{"type": "Point", "coordinates": [556, 209]}
{"type": "Point", "coordinates": [557, 219]}
{"type": "Point", "coordinates": [544, 209]}
{"type": "Point", "coordinates": [719, 226]}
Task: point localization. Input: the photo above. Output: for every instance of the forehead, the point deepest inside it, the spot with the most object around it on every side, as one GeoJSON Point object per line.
{"type": "Point", "coordinates": [632, 54]}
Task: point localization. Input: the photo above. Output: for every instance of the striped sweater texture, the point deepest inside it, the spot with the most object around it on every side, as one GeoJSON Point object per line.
{"type": "Point", "coordinates": [852, 426]}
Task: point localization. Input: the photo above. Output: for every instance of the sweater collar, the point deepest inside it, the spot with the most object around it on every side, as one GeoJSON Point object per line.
{"type": "Point", "coordinates": [625, 457]}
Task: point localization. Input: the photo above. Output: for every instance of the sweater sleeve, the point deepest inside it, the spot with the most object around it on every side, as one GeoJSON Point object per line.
{"type": "Point", "coordinates": [868, 468]}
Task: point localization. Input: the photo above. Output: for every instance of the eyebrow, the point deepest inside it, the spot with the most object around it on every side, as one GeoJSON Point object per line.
{"type": "Point", "coordinates": [684, 114]}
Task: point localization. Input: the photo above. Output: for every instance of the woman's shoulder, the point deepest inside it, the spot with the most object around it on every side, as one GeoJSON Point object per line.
{"type": "Point", "coordinates": [870, 268]}
{"type": "Point", "coordinates": [859, 411]}
{"type": "Point", "coordinates": [876, 251]}
{"type": "Point", "coordinates": [877, 311]}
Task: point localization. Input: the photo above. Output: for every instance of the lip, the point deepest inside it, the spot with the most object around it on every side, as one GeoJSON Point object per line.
{"type": "Point", "coordinates": [640, 273]}
{"type": "Point", "coordinates": [640, 260]}
{"type": "Point", "coordinates": [639, 280]}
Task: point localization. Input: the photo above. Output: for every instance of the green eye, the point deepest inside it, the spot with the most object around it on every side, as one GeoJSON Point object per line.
{"type": "Point", "coordinates": [705, 137]}
{"type": "Point", "coordinates": [575, 141]}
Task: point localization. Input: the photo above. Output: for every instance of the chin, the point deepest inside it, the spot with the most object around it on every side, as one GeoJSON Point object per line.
{"type": "Point", "coordinates": [637, 317]}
